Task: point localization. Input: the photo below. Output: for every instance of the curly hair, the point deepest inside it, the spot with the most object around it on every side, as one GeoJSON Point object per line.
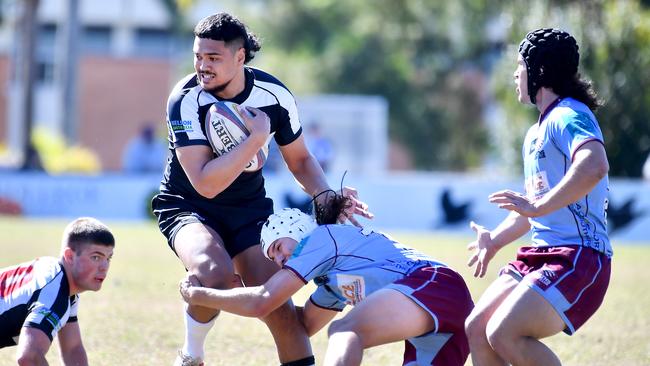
{"type": "Point", "coordinates": [332, 208]}
{"type": "Point", "coordinates": [227, 28]}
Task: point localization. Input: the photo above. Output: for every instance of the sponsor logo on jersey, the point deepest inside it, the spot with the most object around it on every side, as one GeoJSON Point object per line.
{"type": "Point", "coordinates": [51, 317]}
{"type": "Point", "coordinates": [181, 126]}
{"type": "Point", "coordinates": [352, 287]}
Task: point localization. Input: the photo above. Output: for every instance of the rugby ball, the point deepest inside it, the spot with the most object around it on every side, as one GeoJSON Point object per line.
{"type": "Point", "coordinates": [225, 129]}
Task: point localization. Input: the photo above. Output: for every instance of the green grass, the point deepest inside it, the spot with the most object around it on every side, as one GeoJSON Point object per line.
{"type": "Point", "coordinates": [136, 318]}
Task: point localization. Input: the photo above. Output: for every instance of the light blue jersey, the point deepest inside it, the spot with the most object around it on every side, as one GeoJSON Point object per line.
{"type": "Point", "coordinates": [548, 153]}
{"type": "Point", "coordinates": [348, 264]}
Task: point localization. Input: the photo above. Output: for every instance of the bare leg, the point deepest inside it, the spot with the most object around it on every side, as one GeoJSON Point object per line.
{"type": "Point", "coordinates": [201, 250]}
{"type": "Point", "coordinates": [288, 333]}
{"type": "Point", "coordinates": [476, 323]}
{"type": "Point", "coordinates": [383, 317]}
{"type": "Point", "coordinates": [516, 327]}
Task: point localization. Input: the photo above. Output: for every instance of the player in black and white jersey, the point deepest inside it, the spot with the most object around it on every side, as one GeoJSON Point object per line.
{"type": "Point", "coordinates": [208, 208]}
{"type": "Point", "coordinates": [39, 299]}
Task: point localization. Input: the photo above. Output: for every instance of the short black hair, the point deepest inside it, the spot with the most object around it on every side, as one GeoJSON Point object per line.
{"type": "Point", "coordinates": [227, 28]}
{"type": "Point", "coordinates": [84, 231]}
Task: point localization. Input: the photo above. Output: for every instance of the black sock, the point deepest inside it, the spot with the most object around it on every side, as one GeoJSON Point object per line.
{"type": "Point", "coordinates": [307, 361]}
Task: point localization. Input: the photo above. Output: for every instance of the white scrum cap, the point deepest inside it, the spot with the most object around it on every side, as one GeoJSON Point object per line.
{"type": "Point", "coordinates": [288, 223]}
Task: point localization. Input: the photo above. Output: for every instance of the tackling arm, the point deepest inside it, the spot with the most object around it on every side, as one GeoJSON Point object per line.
{"type": "Point", "coordinates": [256, 302]}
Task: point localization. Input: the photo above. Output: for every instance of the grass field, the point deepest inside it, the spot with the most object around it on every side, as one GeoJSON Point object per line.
{"type": "Point", "coordinates": [136, 318]}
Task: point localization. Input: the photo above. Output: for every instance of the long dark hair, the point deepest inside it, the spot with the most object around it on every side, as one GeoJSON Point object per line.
{"type": "Point", "coordinates": [579, 89]}
{"type": "Point", "coordinates": [331, 208]}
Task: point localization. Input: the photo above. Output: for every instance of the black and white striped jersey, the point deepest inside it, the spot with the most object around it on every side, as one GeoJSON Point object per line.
{"type": "Point", "coordinates": [35, 294]}
{"type": "Point", "coordinates": [187, 107]}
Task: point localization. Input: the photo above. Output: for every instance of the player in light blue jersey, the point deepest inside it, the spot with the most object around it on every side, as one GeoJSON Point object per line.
{"type": "Point", "coordinates": [560, 280]}
{"type": "Point", "coordinates": [398, 292]}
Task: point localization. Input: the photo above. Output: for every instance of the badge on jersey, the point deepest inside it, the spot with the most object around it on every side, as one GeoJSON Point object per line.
{"type": "Point", "coordinates": [352, 287]}
{"type": "Point", "coordinates": [537, 186]}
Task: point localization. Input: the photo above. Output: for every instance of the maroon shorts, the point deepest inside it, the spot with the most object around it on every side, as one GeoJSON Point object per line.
{"type": "Point", "coordinates": [443, 293]}
{"type": "Point", "coordinates": [573, 279]}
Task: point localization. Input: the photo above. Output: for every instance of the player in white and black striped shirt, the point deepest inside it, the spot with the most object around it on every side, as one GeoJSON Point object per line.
{"type": "Point", "coordinates": [208, 208]}
{"type": "Point", "coordinates": [39, 299]}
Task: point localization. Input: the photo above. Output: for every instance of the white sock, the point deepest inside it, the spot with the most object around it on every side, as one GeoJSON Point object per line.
{"type": "Point", "coordinates": [195, 334]}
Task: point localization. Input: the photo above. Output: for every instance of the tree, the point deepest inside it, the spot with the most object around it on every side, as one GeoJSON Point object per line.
{"type": "Point", "coordinates": [613, 38]}
{"type": "Point", "coordinates": [427, 58]}
{"type": "Point", "coordinates": [409, 52]}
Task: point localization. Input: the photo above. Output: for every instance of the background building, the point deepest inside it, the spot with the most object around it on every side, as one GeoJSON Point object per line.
{"type": "Point", "coordinates": [126, 60]}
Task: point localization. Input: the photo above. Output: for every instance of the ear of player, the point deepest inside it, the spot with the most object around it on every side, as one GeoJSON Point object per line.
{"type": "Point", "coordinates": [225, 129]}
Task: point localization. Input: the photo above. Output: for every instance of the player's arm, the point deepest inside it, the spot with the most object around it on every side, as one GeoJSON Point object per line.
{"type": "Point", "coordinates": [209, 175]}
{"type": "Point", "coordinates": [304, 167]}
{"type": "Point", "coordinates": [488, 243]}
{"type": "Point", "coordinates": [309, 175]}
{"type": "Point", "coordinates": [71, 346]}
{"type": "Point", "coordinates": [256, 302]}
{"type": "Point", "coordinates": [33, 344]}
{"type": "Point", "coordinates": [314, 318]}
{"type": "Point", "coordinates": [588, 167]}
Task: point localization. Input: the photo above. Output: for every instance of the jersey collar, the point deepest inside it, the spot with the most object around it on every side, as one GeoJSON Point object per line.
{"type": "Point", "coordinates": [548, 110]}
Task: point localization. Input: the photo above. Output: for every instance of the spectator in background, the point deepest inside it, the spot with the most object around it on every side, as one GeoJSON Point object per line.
{"type": "Point", "coordinates": [32, 160]}
{"type": "Point", "coordinates": [144, 153]}
{"type": "Point", "coordinates": [320, 146]}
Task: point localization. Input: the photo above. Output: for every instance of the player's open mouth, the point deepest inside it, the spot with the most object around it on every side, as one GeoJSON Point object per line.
{"type": "Point", "coordinates": [205, 78]}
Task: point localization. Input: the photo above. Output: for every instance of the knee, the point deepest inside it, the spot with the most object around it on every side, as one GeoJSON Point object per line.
{"type": "Point", "coordinates": [344, 332]}
{"type": "Point", "coordinates": [499, 337]}
{"type": "Point", "coordinates": [340, 326]}
{"type": "Point", "coordinates": [282, 316]}
{"type": "Point", "coordinates": [475, 327]}
{"type": "Point", "coordinates": [28, 358]}
{"type": "Point", "coordinates": [213, 274]}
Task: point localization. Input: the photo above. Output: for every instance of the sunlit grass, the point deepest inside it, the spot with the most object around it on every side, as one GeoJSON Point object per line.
{"type": "Point", "coordinates": [136, 318]}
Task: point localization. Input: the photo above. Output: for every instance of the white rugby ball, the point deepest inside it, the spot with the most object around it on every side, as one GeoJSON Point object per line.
{"type": "Point", "coordinates": [225, 129]}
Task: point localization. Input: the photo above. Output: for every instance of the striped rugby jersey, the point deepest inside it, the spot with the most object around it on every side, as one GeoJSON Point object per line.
{"type": "Point", "coordinates": [35, 294]}
{"type": "Point", "coordinates": [187, 107]}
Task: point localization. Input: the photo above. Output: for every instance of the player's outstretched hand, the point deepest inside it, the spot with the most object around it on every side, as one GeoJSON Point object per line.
{"type": "Point", "coordinates": [257, 122]}
{"type": "Point", "coordinates": [358, 207]}
{"type": "Point", "coordinates": [483, 247]}
{"type": "Point", "coordinates": [515, 201]}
